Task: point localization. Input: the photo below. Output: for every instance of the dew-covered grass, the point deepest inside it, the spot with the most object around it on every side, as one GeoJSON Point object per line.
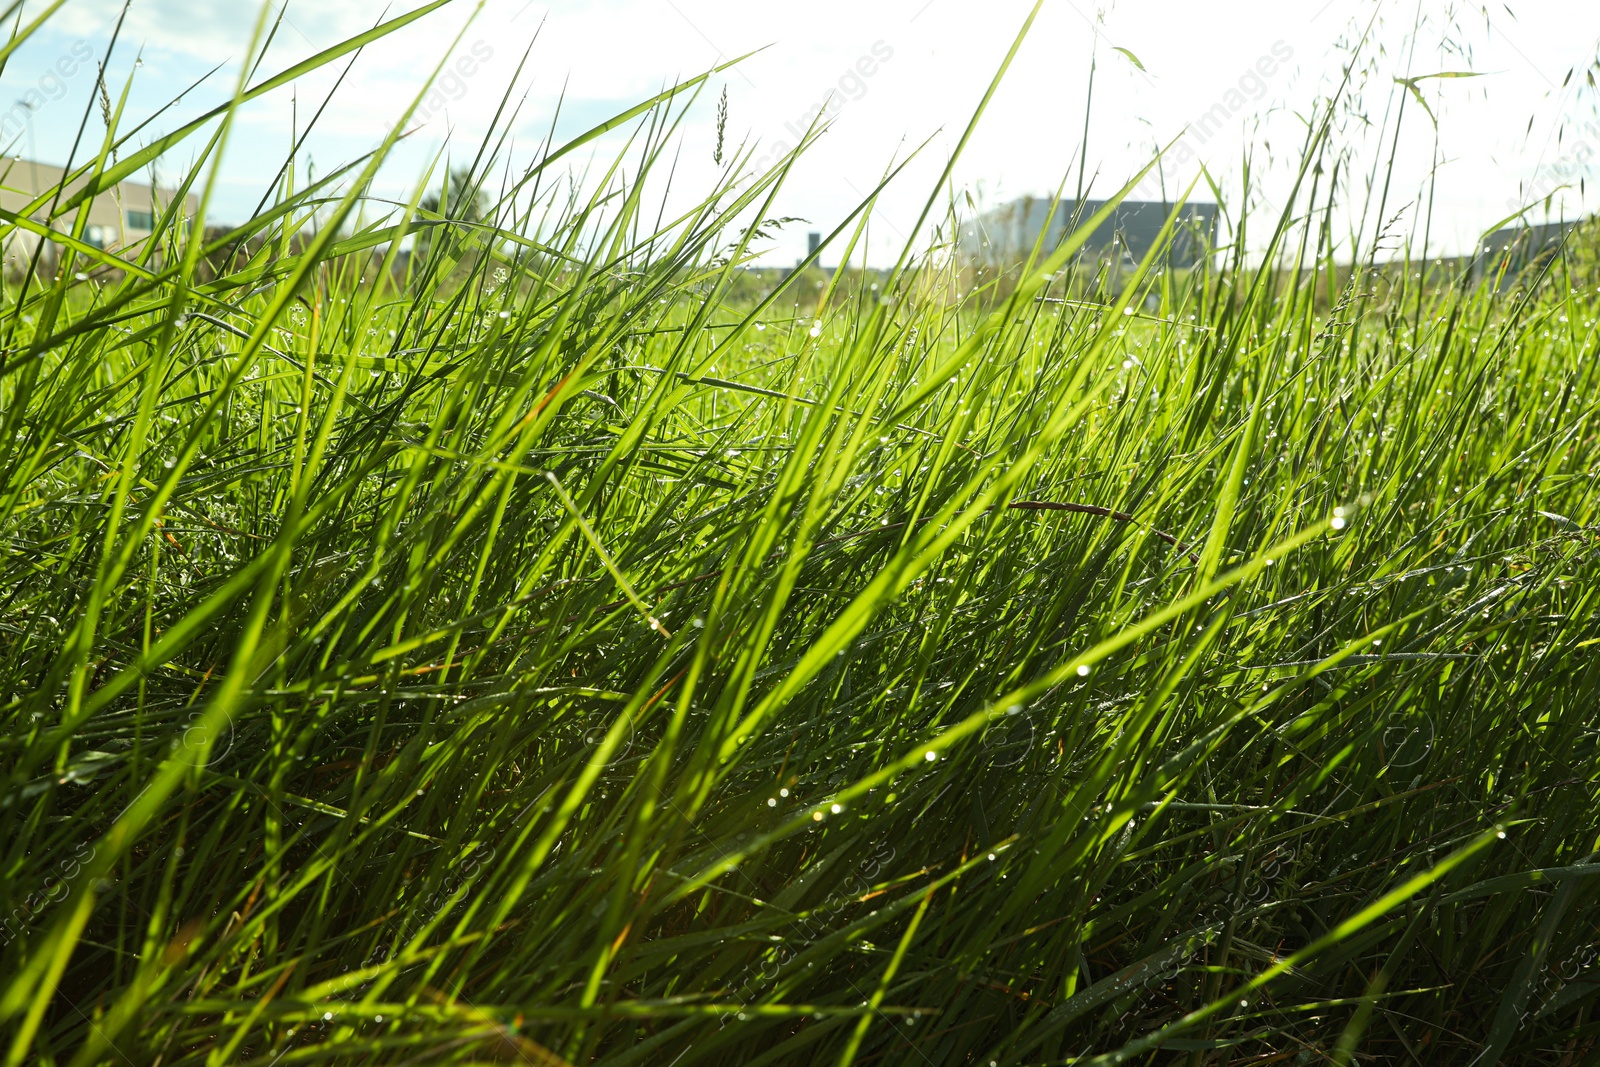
{"type": "Point", "coordinates": [556, 647]}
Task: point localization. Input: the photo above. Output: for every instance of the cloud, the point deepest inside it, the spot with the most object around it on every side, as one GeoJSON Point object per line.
{"type": "Point", "coordinates": [597, 57]}
{"type": "Point", "coordinates": [209, 32]}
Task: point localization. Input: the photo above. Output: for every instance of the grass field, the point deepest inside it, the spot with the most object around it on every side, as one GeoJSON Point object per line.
{"type": "Point", "coordinates": [541, 649]}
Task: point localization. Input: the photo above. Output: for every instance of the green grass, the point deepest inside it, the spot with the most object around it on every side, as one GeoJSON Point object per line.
{"type": "Point", "coordinates": [546, 649]}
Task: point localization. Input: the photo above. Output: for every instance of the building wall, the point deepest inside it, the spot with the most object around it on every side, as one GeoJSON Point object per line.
{"type": "Point", "coordinates": [117, 218]}
{"type": "Point", "coordinates": [1505, 254]}
{"type": "Point", "coordinates": [1006, 235]}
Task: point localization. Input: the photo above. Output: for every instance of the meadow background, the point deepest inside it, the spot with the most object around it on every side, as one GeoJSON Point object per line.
{"type": "Point", "coordinates": [498, 627]}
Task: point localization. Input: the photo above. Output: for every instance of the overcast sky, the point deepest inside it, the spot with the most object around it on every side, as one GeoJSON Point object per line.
{"type": "Point", "coordinates": [900, 72]}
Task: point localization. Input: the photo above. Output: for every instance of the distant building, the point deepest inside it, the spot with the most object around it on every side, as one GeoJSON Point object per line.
{"type": "Point", "coordinates": [1506, 253]}
{"type": "Point", "coordinates": [1005, 236]}
{"type": "Point", "coordinates": [813, 242]}
{"type": "Point", "coordinates": [119, 217]}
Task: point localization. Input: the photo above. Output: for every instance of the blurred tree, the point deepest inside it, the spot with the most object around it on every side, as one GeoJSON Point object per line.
{"type": "Point", "coordinates": [463, 200]}
{"type": "Point", "coordinates": [462, 196]}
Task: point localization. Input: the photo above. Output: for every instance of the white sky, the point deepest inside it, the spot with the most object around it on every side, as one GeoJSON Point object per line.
{"type": "Point", "coordinates": [930, 61]}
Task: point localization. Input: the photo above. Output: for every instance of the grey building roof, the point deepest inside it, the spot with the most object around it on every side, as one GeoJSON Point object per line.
{"type": "Point", "coordinates": [1506, 252]}
{"type": "Point", "coordinates": [1007, 234]}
